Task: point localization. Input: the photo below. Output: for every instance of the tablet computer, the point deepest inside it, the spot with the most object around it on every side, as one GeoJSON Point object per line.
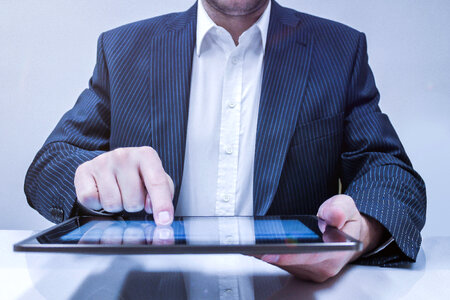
{"type": "Point", "coordinates": [246, 235]}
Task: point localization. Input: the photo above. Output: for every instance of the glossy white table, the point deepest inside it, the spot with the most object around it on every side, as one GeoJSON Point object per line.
{"type": "Point", "coordinates": [70, 276]}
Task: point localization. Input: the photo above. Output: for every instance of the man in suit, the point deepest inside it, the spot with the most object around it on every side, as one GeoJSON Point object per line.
{"type": "Point", "coordinates": [237, 107]}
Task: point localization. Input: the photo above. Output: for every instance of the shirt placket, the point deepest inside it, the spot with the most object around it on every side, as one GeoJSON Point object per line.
{"type": "Point", "coordinates": [229, 134]}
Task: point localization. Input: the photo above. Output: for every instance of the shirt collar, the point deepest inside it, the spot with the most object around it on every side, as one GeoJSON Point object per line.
{"type": "Point", "coordinates": [205, 24]}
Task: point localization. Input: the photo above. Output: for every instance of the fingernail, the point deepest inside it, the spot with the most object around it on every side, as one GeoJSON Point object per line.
{"type": "Point", "coordinates": [270, 258]}
{"type": "Point", "coordinates": [112, 208]}
{"type": "Point", "coordinates": [134, 208]}
{"type": "Point", "coordinates": [93, 203]}
{"type": "Point", "coordinates": [164, 217]}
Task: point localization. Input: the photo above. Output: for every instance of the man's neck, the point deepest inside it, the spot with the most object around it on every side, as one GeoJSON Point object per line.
{"type": "Point", "coordinates": [234, 24]}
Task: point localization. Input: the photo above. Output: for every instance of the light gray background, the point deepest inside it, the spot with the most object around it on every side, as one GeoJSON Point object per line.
{"type": "Point", "coordinates": [48, 51]}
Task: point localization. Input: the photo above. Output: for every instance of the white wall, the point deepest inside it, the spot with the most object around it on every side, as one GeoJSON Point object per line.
{"type": "Point", "coordinates": [48, 48]}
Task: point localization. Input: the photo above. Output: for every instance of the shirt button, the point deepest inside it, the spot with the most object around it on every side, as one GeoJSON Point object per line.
{"type": "Point", "coordinates": [226, 198]}
{"type": "Point", "coordinates": [229, 149]}
{"type": "Point", "coordinates": [228, 291]}
{"type": "Point", "coordinates": [235, 60]}
{"type": "Point", "coordinates": [231, 104]}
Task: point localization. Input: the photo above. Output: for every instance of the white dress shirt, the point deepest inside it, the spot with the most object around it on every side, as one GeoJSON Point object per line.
{"type": "Point", "coordinates": [223, 113]}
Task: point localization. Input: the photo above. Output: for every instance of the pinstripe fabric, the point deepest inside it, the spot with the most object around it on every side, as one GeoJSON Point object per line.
{"type": "Point", "coordinates": [286, 66]}
{"type": "Point", "coordinates": [318, 122]}
{"type": "Point", "coordinates": [171, 60]}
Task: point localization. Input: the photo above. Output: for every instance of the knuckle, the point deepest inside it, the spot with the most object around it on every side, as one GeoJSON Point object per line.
{"type": "Point", "coordinates": [82, 169]}
{"type": "Point", "coordinates": [334, 199]}
{"type": "Point", "coordinates": [157, 176]}
{"type": "Point", "coordinates": [120, 154]}
{"type": "Point", "coordinates": [157, 180]}
{"type": "Point", "coordinates": [99, 162]}
{"type": "Point", "coordinates": [342, 198]}
{"type": "Point", "coordinates": [152, 156]}
{"type": "Point", "coordinates": [147, 151]}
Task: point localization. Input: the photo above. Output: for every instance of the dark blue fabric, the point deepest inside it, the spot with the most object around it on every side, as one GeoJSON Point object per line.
{"type": "Point", "coordinates": [318, 123]}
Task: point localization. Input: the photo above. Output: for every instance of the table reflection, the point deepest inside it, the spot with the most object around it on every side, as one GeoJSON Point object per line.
{"type": "Point", "coordinates": [141, 284]}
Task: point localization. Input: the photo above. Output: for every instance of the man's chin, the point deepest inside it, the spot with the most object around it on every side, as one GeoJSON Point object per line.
{"type": "Point", "coordinates": [235, 8]}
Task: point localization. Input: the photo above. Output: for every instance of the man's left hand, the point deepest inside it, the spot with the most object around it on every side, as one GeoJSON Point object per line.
{"type": "Point", "coordinates": [339, 211]}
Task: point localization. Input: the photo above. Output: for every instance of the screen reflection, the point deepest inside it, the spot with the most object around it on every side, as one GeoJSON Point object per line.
{"type": "Point", "coordinates": [192, 231]}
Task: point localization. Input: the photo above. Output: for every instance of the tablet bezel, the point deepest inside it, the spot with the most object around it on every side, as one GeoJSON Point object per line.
{"type": "Point", "coordinates": [31, 244]}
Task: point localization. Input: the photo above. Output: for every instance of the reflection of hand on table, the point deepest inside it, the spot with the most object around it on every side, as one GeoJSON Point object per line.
{"type": "Point", "coordinates": [121, 232]}
{"type": "Point", "coordinates": [339, 211]}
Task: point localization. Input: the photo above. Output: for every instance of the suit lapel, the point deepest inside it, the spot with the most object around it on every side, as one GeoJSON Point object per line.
{"type": "Point", "coordinates": [170, 77]}
{"type": "Point", "coordinates": [286, 67]}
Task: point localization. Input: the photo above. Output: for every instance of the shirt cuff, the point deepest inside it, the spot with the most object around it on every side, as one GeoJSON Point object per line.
{"type": "Point", "coordinates": [380, 248]}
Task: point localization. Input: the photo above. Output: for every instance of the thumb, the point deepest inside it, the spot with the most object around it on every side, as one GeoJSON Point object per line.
{"type": "Point", "coordinates": [337, 210]}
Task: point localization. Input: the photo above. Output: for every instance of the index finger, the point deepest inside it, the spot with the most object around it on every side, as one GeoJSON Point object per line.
{"type": "Point", "coordinates": [158, 187]}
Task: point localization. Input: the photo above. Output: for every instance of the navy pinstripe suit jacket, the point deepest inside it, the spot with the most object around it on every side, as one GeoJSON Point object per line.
{"type": "Point", "coordinates": [318, 122]}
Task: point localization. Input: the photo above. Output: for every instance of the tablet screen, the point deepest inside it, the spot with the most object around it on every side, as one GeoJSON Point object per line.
{"type": "Point", "coordinates": [192, 231]}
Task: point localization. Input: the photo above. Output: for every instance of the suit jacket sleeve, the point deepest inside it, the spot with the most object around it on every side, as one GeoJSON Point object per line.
{"type": "Point", "coordinates": [81, 134]}
{"type": "Point", "coordinates": [376, 171]}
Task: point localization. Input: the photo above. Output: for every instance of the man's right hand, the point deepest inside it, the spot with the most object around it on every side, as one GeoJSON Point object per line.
{"type": "Point", "coordinates": [129, 179]}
